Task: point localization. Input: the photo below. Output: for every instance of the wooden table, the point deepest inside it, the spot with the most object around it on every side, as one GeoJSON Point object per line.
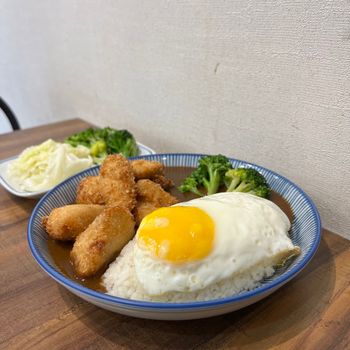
{"type": "Point", "coordinates": [311, 312]}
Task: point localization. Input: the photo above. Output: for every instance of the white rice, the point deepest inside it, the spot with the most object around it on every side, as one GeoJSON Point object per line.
{"type": "Point", "coordinates": [120, 280]}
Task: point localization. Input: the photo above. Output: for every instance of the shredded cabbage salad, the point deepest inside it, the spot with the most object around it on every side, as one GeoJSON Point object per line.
{"type": "Point", "coordinates": [39, 168]}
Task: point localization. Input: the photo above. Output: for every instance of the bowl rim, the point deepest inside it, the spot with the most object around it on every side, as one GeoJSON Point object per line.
{"type": "Point", "coordinates": [103, 297]}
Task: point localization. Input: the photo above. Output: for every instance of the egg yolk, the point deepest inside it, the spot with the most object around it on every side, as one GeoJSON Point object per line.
{"type": "Point", "coordinates": [177, 234]}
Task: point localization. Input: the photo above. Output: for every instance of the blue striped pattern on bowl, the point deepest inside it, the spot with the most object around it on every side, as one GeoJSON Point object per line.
{"type": "Point", "coordinates": [305, 232]}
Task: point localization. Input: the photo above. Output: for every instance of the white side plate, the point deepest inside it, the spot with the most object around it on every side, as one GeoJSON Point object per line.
{"type": "Point", "coordinates": [15, 190]}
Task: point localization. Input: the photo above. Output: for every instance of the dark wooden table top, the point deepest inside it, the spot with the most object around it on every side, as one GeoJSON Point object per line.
{"type": "Point", "coordinates": [310, 312]}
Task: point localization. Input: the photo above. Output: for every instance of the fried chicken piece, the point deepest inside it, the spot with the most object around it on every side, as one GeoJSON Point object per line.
{"type": "Point", "coordinates": [88, 191]}
{"type": "Point", "coordinates": [102, 240]}
{"type": "Point", "coordinates": [118, 193]}
{"type": "Point", "coordinates": [150, 196]}
{"type": "Point", "coordinates": [115, 186]}
{"type": "Point", "coordinates": [66, 223]}
{"type": "Point", "coordinates": [117, 167]}
{"type": "Point", "coordinates": [166, 183]}
{"type": "Point", "coordinates": [103, 190]}
{"type": "Point", "coordinates": [148, 191]}
{"type": "Point", "coordinates": [141, 210]}
{"type": "Point", "coordinates": [146, 169]}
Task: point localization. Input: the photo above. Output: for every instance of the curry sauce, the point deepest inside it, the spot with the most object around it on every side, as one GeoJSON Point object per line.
{"type": "Point", "coordinates": [60, 251]}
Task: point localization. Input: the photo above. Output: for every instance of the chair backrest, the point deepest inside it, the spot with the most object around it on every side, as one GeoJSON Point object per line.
{"type": "Point", "coordinates": [9, 114]}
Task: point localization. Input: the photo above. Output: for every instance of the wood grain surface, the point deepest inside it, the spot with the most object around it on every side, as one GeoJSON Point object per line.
{"type": "Point", "coordinates": [310, 312]}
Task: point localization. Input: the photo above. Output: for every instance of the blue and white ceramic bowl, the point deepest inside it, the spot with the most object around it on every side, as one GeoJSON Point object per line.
{"type": "Point", "coordinates": [305, 232]}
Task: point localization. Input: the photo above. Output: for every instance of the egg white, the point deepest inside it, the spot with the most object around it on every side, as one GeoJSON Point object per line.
{"type": "Point", "coordinates": [249, 231]}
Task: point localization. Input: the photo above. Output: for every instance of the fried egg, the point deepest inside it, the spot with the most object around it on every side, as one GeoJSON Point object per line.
{"type": "Point", "coordinates": [191, 245]}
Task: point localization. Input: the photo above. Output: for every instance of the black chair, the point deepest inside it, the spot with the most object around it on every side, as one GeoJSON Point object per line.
{"type": "Point", "coordinates": [9, 114]}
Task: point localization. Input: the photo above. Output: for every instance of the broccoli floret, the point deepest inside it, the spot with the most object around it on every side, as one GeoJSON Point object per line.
{"type": "Point", "coordinates": [105, 141]}
{"type": "Point", "coordinates": [262, 191]}
{"type": "Point", "coordinates": [210, 173]}
{"type": "Point", "coordinates": [190, 184]}
{"type": "Point", "coordinates": [247, 180]}
{"type": "Point", "coordinates": [213, 169]}
{"type": "Point", "coordinates": [120, 141]}
{"type": "Point", "coordinates": [98, 147]}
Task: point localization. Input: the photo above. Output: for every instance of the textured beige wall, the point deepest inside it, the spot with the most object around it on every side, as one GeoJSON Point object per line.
{"type": "Point", "coordinates": [264, 81]}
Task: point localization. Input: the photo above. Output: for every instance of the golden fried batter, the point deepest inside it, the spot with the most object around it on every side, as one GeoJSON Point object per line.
{"type": "Point", "coordinates": [148, 191]}
{"type": "Point", "coordinates": [118, 193]}
{"type": "Point", "coordinates": [102, 240]}
{"type": "Point", "coordinates": [141, 210]}
{"type": "Point", "coordinates": [67, 222]}
{"type": "Point", "coordinates": [166, 183]}
{"type": "Point", "coordinates": [150, 196]}
{"type": "Point", "coordinates": [115, 186]}
{"type": "Point", "coordinates": [106, 191]}
{"type": "Point", "coordinates": [88, 191]}
{"type": "Point", "coordinates": [146, 169]}
{"type": "Point", "coordinates": [117, 167]}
